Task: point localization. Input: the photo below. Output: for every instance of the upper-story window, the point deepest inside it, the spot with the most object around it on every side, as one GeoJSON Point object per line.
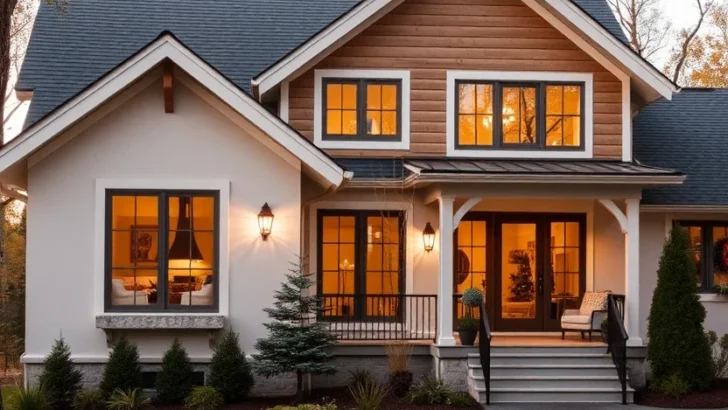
{"type": "Point", "coordinates": [361, 109]}
{"type": "Point", "coordinates": [365, 109]}
{"type": "Point", "coordinates": [161, 250]}
{"type": "Point", "coordinates": [519, 116]}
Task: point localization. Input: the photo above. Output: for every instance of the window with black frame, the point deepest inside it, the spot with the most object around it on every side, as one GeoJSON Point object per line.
{"type": "Point", "coordinates": [363, 109]}
{"type": "Point", "coordinates": [530, 115]}
{"type": "Point", "coordinates": [161, 250]}
{"type": "Point", "coordinates": [361, 263]}
{"type": "Point", "coordinates": [709, 250]}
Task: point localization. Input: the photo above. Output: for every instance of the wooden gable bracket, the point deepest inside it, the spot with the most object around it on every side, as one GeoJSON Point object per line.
{"type": "Point", "coordinates": [167, 86]}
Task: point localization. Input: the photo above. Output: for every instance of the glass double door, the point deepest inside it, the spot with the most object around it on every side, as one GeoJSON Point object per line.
{"type": "Point", "coordinates": [533, 269]}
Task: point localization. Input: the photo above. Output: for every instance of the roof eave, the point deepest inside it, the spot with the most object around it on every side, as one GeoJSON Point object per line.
{"type": "Point", "coordinates": [643, 180]}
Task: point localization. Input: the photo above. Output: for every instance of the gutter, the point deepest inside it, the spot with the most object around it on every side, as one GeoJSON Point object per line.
{"type": "Point", "coordinates": [550, 179]}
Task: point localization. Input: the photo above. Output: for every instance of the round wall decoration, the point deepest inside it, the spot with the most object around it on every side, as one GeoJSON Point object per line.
{"type": "Point", "coordinates": [463, 267]}
{"type": "Point", "coordinates": [720, 256]}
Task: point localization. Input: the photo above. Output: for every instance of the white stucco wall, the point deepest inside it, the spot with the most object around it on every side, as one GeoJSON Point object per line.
{"type": "Point", "coordinates": [138, 140]}
{"type": "Point", "coordinates": [654, 230]}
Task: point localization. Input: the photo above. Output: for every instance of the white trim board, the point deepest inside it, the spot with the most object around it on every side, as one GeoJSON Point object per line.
{"type": "Point", "coordinates": [364, 14]}
{"type": "Point", "coordinates": [220, 185]}
{"type": "Point", "coordinates": [586, 78]}
{"type": "Point", "coordinates": [168, 47]}
{"type": "Point", "coordinates": [357, 143]}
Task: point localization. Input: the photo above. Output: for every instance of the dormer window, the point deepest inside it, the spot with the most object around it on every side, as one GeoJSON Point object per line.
{"type": "Point", "coordinates": [519, 114]}
{"type": "Point", "coordinates": [361, 109]}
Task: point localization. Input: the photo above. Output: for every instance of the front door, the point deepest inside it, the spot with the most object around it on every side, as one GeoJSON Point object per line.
{"type": "Point", "coordinates": [531, 266]}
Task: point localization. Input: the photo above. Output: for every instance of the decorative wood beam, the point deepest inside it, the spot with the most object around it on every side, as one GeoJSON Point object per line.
{"type": "Point", "coordinates": [167, 86]}
{"type": "Point", "coordinates": [467, 206]}
{"type": "Point", "coordinates": [614, 209]}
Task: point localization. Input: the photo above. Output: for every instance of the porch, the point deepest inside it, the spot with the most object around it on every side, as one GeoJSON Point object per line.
{"type": "Point", "coordinates": [534, 237]}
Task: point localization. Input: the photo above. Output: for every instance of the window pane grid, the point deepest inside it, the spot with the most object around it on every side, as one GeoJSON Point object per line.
{"type": "Point", "coordinates": [471, 261]}
{"type": "Point", "coordinates": [137, 275]}
{"type": "Point", "coordinates": [362, 108]}
{"type": "Point", "coordinates": [475, 114]}
{"type": "Point", "coordinates": [381, 109]}
{"type": "Point", "coordinates": [563, 125]}
{"type": "Point", "coordinates": [565, 267]}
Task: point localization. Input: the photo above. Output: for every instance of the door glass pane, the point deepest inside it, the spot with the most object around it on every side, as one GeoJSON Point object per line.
{"type": "Point", "coordinates": [565, 266]}
{"type": "Point", "coordinates": [471, 262]}
{"type": "Point", "coordinates": [518, 280]}
{"type": "Point", "coordinates": [338, 256]}
{"type": "Point", "coordinates": [696, 251]}
{"type": "Point", "coordinates": [382, 270]}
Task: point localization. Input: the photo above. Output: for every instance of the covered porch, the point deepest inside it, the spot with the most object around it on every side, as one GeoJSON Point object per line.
{"type": "Point", "coordinates": [533, 236]}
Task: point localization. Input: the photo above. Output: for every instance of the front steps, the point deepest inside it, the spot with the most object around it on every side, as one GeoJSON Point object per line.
{"type": "Point", "coordinates": [547, 375]}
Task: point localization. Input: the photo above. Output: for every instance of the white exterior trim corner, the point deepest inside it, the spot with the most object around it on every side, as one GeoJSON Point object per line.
{"type": "Point", "coordinates": [168, 47]}
{"type": "Point", "coordinates": [588, 137]}
{"type": "Point", "coordinates": [358, 143]}
{"type": "Point", "coordinates": [222, 186]}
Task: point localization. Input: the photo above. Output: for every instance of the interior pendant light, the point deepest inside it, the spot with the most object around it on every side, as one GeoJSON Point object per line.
{"type": "Point", "coordinates": [184, 246]}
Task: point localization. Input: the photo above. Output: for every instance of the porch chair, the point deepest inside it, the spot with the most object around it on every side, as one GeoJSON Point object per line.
{"type": "Point", "coordinates": [589, 317]}
{"type": "Point", "coordinates": [123, 297]}
{"type": "Point", "coordinates": [203, 297]}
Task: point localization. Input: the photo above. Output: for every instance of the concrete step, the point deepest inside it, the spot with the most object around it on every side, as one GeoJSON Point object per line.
{"type": "Point", "coordinates": [548, 349]}
{"type": "Point", "coordinates": [549, 370]}
{"type": "Point", "coordinates": [544, 358]}
{"type": "Point", "coordinates": [548, 382]}
{"type": "Point", "coordinates": [539, 395]}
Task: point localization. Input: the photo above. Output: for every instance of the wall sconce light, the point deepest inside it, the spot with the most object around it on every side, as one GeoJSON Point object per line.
{"type": "Point", "coordinates": [265, 221]}
{"type": "Point", "coordinates": [428, 237]}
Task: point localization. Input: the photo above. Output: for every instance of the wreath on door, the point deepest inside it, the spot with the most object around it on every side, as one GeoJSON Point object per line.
{"type": "Point", "coordinates": [720, 256]}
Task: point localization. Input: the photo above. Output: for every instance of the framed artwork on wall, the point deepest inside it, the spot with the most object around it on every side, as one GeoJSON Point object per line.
{"type": "Point", "coordinates": [143, 246]}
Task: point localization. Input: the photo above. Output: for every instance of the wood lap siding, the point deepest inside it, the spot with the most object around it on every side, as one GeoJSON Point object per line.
{"type": "Point", "coordinates": [429, 37]}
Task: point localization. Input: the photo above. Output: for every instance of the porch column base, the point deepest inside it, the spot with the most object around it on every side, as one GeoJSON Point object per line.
{"type": "Point", "coordinates": [446, 341]}
{"type": "Point", "coordinates": [635, 342]}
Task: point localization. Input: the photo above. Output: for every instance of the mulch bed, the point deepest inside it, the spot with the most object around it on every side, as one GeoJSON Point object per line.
{"type": "Point", "coordinates": [340, 396]}
{"type": "Point", "coordinates": [716, 398]}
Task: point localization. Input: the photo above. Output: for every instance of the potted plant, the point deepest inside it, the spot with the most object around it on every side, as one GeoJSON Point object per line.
{"type": "Point", "coordinates": [468, 326]}
{"type": "Point", "coordinates": [722, 289]}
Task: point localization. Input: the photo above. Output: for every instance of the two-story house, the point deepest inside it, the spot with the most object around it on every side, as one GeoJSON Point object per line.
{"type": "Point", "coordinates": [177, 156]}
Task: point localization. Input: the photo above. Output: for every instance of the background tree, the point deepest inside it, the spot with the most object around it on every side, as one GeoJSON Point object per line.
{"type": "Point", "coordinates": [687, 51]}
{"type": "Point", "coordinates": [709, 53]}
{"type": "Point", "coordinates": [297, 343]}
{"type": "Point", "coordinates": [678, 347]}
{"type": "Point", "coordinates": [647, 28]}
{"type": "Point", "coordinates": [12, 280]}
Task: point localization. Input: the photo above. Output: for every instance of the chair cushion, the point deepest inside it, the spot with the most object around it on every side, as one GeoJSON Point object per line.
{"type": "Point", "coordinates": [577, 320]}
{"type": "Point", "coordinates": [593, 301]}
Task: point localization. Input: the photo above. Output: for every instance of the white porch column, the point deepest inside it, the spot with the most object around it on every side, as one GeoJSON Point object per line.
{"type": "Point", "coordinates": [445, 282]}
{"type": "Point", "coordinates": [632, 273]}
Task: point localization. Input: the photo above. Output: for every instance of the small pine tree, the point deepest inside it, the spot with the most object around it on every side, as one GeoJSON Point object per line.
{"type": "Point", "coordinates": [174, 381]}
{"type": "Point", "coordinates": [60, 379]}
{"type": "Point", "coordinates": [123, 370]}
{"type": "Point", "coordinates": [522, 287]}
{"type": "Point", "coordinates": [297, 342]}
{"type": "Point", "coordinates": [230, 372]}
{"type": "Point", "coordinates": [677, 343]}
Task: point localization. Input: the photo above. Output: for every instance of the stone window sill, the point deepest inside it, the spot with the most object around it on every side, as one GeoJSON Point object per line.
{"type": "Point", "coordinates": [160, 321]}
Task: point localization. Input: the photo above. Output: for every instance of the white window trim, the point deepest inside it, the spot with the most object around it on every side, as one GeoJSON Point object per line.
{"type": "Point", "coordinates": [220, 185]}
{"type": "Point", "coordinates": [402, 75]}
{"type": "Point", "coordinates": [586, 78]}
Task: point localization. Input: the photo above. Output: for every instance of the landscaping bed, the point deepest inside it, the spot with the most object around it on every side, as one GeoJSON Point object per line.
{"type": "Point", "coordinates": [340, 397]}
{"type": "Point", "coordinates": [715, 398]}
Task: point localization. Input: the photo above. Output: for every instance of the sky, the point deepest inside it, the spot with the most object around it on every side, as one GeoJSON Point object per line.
{"type": "Point", "coordinates": [683, 13]}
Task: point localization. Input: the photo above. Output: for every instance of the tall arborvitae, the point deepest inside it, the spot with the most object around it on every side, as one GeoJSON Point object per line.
{"type": "Point", "coordinates": [60, 379]}
{"type": "Point", "coordinates": [123, 370]}
{"type": "Point", "coordinates": [230, 372]}
{"type": "Point", "coordinates": [174, 381]}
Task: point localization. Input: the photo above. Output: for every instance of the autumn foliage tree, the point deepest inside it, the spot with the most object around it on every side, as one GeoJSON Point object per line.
{"type": "Point", "coordinates": [12, 280]}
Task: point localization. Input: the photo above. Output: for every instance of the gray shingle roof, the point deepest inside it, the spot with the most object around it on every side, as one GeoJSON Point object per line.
{"type": "Point", "coordinates": [374, 168]}
{"type": "Point", "coordinates": [690, 134]}
{"type": "Point", "coordinates": [240, 38]}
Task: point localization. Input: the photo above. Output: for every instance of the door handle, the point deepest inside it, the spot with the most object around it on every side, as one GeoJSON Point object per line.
{"type": "Point", "coordinates": [540, 284]}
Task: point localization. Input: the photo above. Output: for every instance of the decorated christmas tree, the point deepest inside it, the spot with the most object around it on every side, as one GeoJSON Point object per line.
{"type": "Point", "coordinates": [521, 288]}
{"type": "Point", "coordinates": [297, 343]}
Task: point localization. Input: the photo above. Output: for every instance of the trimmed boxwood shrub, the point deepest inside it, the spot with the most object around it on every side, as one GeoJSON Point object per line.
{"type": "Point", "coordinates": [174, 381]}
{"type": "Point", "coordinates": [204, 398]}
{"type": "Point", "coordinates": [678, 347]}
{"type": "Point", "coordinates": [123, 371]}
{"type": "Point", "coordinates": [60, 379]}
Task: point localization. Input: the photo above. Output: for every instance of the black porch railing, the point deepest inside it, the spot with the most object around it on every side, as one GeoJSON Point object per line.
{"type": "Point", "coordinates": [617, 339]}
{"type": "Point", "coordinates": [484, 350]}
{"type": "Point", "coordinates": [380, 317]}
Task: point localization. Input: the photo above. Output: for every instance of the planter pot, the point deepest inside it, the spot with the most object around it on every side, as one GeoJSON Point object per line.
{"type": "Point", "coordinates": [467, 337]}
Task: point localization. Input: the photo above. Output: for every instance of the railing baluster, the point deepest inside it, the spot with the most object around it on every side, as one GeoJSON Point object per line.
{"type": "Point", "coordinates": [617, 339]}
{"type": "Point", "coordinates": [484, 350]}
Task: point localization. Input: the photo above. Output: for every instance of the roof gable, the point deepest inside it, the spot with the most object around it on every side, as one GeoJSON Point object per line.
{"type": "Point", "coordinates": [167, 47]}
